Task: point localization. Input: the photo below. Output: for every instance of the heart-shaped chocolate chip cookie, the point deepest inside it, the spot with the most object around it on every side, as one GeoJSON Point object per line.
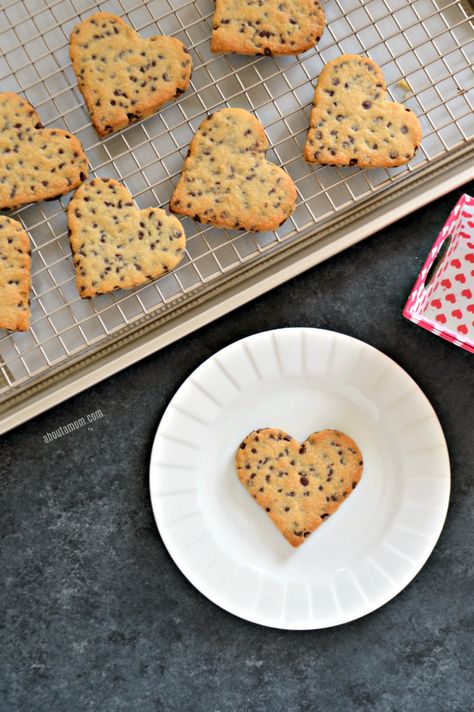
{"type": "Point", "coordinates": [122, 76]}
{"type": "Point", "coordinates": [353, 124]}
{"type": "Point", "coordinates": [272, 27]}
{"type": "Point", "coordinates": [299, 485]}
{"type": "Point", "coordinates": [226, 179]}
{"type": "Point", "coordinates": [35, 163]}
{"type": "Point", "coordinates": [15, 275]}
{"type": "Point", "coordinates": [116, 246]}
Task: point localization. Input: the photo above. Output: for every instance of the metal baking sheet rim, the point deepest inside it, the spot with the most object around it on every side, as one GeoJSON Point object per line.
{"type": "Point", "coordinates": [235, 291]}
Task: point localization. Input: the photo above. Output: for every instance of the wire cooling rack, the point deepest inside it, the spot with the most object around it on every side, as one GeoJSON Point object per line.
{"type": "Point", "coordinates": [423, 47]}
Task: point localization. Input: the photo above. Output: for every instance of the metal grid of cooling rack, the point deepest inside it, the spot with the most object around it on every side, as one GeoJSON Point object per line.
{"type": "Point", "coordinates": [422, 46]}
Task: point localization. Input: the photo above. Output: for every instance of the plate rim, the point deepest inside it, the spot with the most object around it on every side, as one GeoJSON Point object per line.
{"type": "Point", "coordinates": [299, 625]}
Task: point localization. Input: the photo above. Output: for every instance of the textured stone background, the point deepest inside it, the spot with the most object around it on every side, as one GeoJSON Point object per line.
{"type": "Point", "coordinates": [96, 616]}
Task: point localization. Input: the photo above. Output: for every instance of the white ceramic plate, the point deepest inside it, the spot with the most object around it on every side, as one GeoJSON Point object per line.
{"type": "Point", "coordinates": [299, 380]}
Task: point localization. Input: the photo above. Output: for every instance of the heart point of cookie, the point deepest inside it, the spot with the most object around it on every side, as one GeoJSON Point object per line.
{"type": "Point", "coordinates": [352, 122]}
{"type": "Point", "coordinates": [115, 245]}
{"type": "Point", "coordinates": [299, 485]}
{"type": "Point", "coordinates": [227, 180]}
{"type": "Point", "coordinates": [124, 77]}
{"type": "Point", "coordinates": [35, 163]}
{"type": "Point", "coordinates": [276, 27]}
